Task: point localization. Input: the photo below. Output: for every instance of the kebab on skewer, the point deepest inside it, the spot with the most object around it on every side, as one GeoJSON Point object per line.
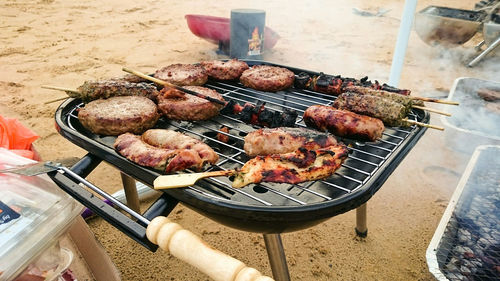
{"type": "Point", "coordinates": [406, 101]}
{"type": "Point", "coordinates": [391, 113]}
{"type": "Point", "coordinates": [103, 89]}
{"type": "Point", "coordinates": [336, 85]}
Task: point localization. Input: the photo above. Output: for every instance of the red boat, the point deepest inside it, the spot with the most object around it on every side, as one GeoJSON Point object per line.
{"type": "Point", "coordinates": [218, 31]}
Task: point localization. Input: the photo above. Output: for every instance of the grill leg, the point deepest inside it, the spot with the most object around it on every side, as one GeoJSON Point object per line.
{"type": "Point", "coordinates": [130, 192]}
{"type": "Point", "coordinates": [277, 258]}
{"type": "Point", "coordinates": [361, 228]}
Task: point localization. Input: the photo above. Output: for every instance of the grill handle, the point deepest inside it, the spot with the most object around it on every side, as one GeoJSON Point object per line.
{"type": "Point", "coordinates": [133, 229]}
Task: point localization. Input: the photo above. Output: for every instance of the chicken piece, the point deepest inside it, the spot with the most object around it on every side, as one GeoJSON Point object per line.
{"type": "Point", "coordinates": [282, 140]}
{"type": "Point", "coordinates": [294, 167]}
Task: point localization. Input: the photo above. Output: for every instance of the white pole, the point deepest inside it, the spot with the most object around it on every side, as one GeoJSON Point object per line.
{"type": "Point", "coordinates": [402, 42]}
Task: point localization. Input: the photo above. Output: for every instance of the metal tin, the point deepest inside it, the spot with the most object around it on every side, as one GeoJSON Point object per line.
{"type": "Point", "coordinates": [247, 33]}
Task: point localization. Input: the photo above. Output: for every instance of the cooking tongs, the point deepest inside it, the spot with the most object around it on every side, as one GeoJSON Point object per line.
{"type": "Point", "coordinates": [151, 229]}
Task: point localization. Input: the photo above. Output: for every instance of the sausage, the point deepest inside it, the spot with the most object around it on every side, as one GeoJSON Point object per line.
{"type": "Point", "coordinates": [343, 123]}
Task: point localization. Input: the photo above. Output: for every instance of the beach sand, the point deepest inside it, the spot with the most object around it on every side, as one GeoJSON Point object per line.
{"type": "Point", "coordinates": [64, 43]}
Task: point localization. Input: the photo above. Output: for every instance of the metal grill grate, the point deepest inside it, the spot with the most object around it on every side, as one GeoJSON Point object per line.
{"type": "Point", "coordinates": [364, 161]}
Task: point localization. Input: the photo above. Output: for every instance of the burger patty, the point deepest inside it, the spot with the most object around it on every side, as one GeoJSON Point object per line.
{"type": "Point", "coordinates": [228, 70]}
{"type": "Point", "coordinates": [183, 74]}
{"type": "Point", "coordinates": [118, 115]}
{"type": "Point", "coordinates": [267, 78]}
{"type": "Point", "coordinates": [189, 107]}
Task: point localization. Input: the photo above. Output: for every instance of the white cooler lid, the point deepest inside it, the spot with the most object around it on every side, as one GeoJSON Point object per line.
{"type": "Point", "coordinates": [34, 213]}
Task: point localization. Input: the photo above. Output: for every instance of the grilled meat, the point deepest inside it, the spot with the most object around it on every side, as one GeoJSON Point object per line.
{"type": "Point", "coordinates": [489, 94]}
{"type": "Point", "coordinates": [294, 167]}
{"type": "Point", "coordinates": [165, 150]}
{"type": "Point", "coordinates": [183, 106]}
{"type": "Point", "coordinates": [118, 115]}
{"type": "Point", "coordinates": [103, 89]}
{"type": "Point", "coordinates": [182, 74]}
{"type": "Point", "coordinates": [172, 140]}
{"type": "Point", "coordinates": [267, 78]}
{"type": "Point", "coordinates": [223, 137]}
{"type": "Point", "coordinates": [283, 140]}
{"type": "Point", "coordinates": [228, 70]}
{"type": "Point", "coordinates": [261, 116]}
{"type": "Point", "coordinates": [134, 149]}
{"type": "Point", "coordinates": [391, 113]}
{"type": "Point", "coordinates": [406, 101]}
{"type": "Point", "coordinates": [335, 85]}
{"type": "Point", "coordinates": [343, 123]}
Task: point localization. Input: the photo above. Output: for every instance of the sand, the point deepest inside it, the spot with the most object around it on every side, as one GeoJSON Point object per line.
{"type": "Point", "coordinates": [67, 42]}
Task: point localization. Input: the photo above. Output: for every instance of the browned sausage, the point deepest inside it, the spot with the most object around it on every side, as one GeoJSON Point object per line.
{"type": "Point", "coordinates": [343, 123]}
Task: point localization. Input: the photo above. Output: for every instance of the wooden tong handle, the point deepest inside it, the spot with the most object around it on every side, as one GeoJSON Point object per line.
{"type": "Point", "coordinates": [188, 247]}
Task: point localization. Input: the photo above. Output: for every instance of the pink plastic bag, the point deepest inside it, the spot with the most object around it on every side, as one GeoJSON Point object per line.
{"type": "Point", "coordinates": [17, 138]}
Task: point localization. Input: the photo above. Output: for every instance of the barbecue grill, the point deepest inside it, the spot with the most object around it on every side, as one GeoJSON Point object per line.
{"type": "Point", "coordinates": [266, 208]}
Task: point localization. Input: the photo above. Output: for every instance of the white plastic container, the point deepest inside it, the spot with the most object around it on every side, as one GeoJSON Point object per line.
{"type": "Point", "coordinates": [34, 214]}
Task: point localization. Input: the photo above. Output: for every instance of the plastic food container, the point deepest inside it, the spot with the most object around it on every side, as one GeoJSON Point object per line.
{"type": "Point", "coordinates": [34, 213]}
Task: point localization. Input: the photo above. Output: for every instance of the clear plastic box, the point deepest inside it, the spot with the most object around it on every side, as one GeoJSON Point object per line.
{"type": "Point", "coordinates": [34, 214]}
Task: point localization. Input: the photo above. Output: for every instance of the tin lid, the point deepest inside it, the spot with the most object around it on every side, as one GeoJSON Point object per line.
{"type": "Point", "coordinates": [34, 212]}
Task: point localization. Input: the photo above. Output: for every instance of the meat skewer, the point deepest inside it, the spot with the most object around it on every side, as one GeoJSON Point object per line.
{"type": "Point", "coordinates": [170, 85]}
{"type": "Point", "coordinates": [294, 167]}
{"type": "Point", "coordinates": [404, 100]}
{"type": "Point", "coordinates": [343, 123]}
{"type": "Point", "coordinates": [391, 113]}
{"type": "Point", "coordinates": [93, 90]}
{"type": "Point", "coordinates": [337, 85]}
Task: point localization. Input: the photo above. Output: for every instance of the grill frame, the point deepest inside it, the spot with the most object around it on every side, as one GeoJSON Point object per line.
{"type": "Point", "coordinates": [241, 215]}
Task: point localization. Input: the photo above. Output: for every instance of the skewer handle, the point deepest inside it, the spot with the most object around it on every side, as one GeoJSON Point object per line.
{"type": "Point", "coordinates": [431, 110]}
{"type": "Point", "coordinates": [170, 85]}
{"type": "Point", "coordinates": [183, 180]}
{"type": "Point", "coordinates": [59, 99]}
{"type": "Point", "coordinates": [423, 124]}
{"type": "Point", "coordinates": [435, 100]}
{"type": "Point", "coordinates": [190, 248]}
{"type": "Point", "coordinates": [60, 89]}
{"type": "Point", "coordinates": [147, 77]}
